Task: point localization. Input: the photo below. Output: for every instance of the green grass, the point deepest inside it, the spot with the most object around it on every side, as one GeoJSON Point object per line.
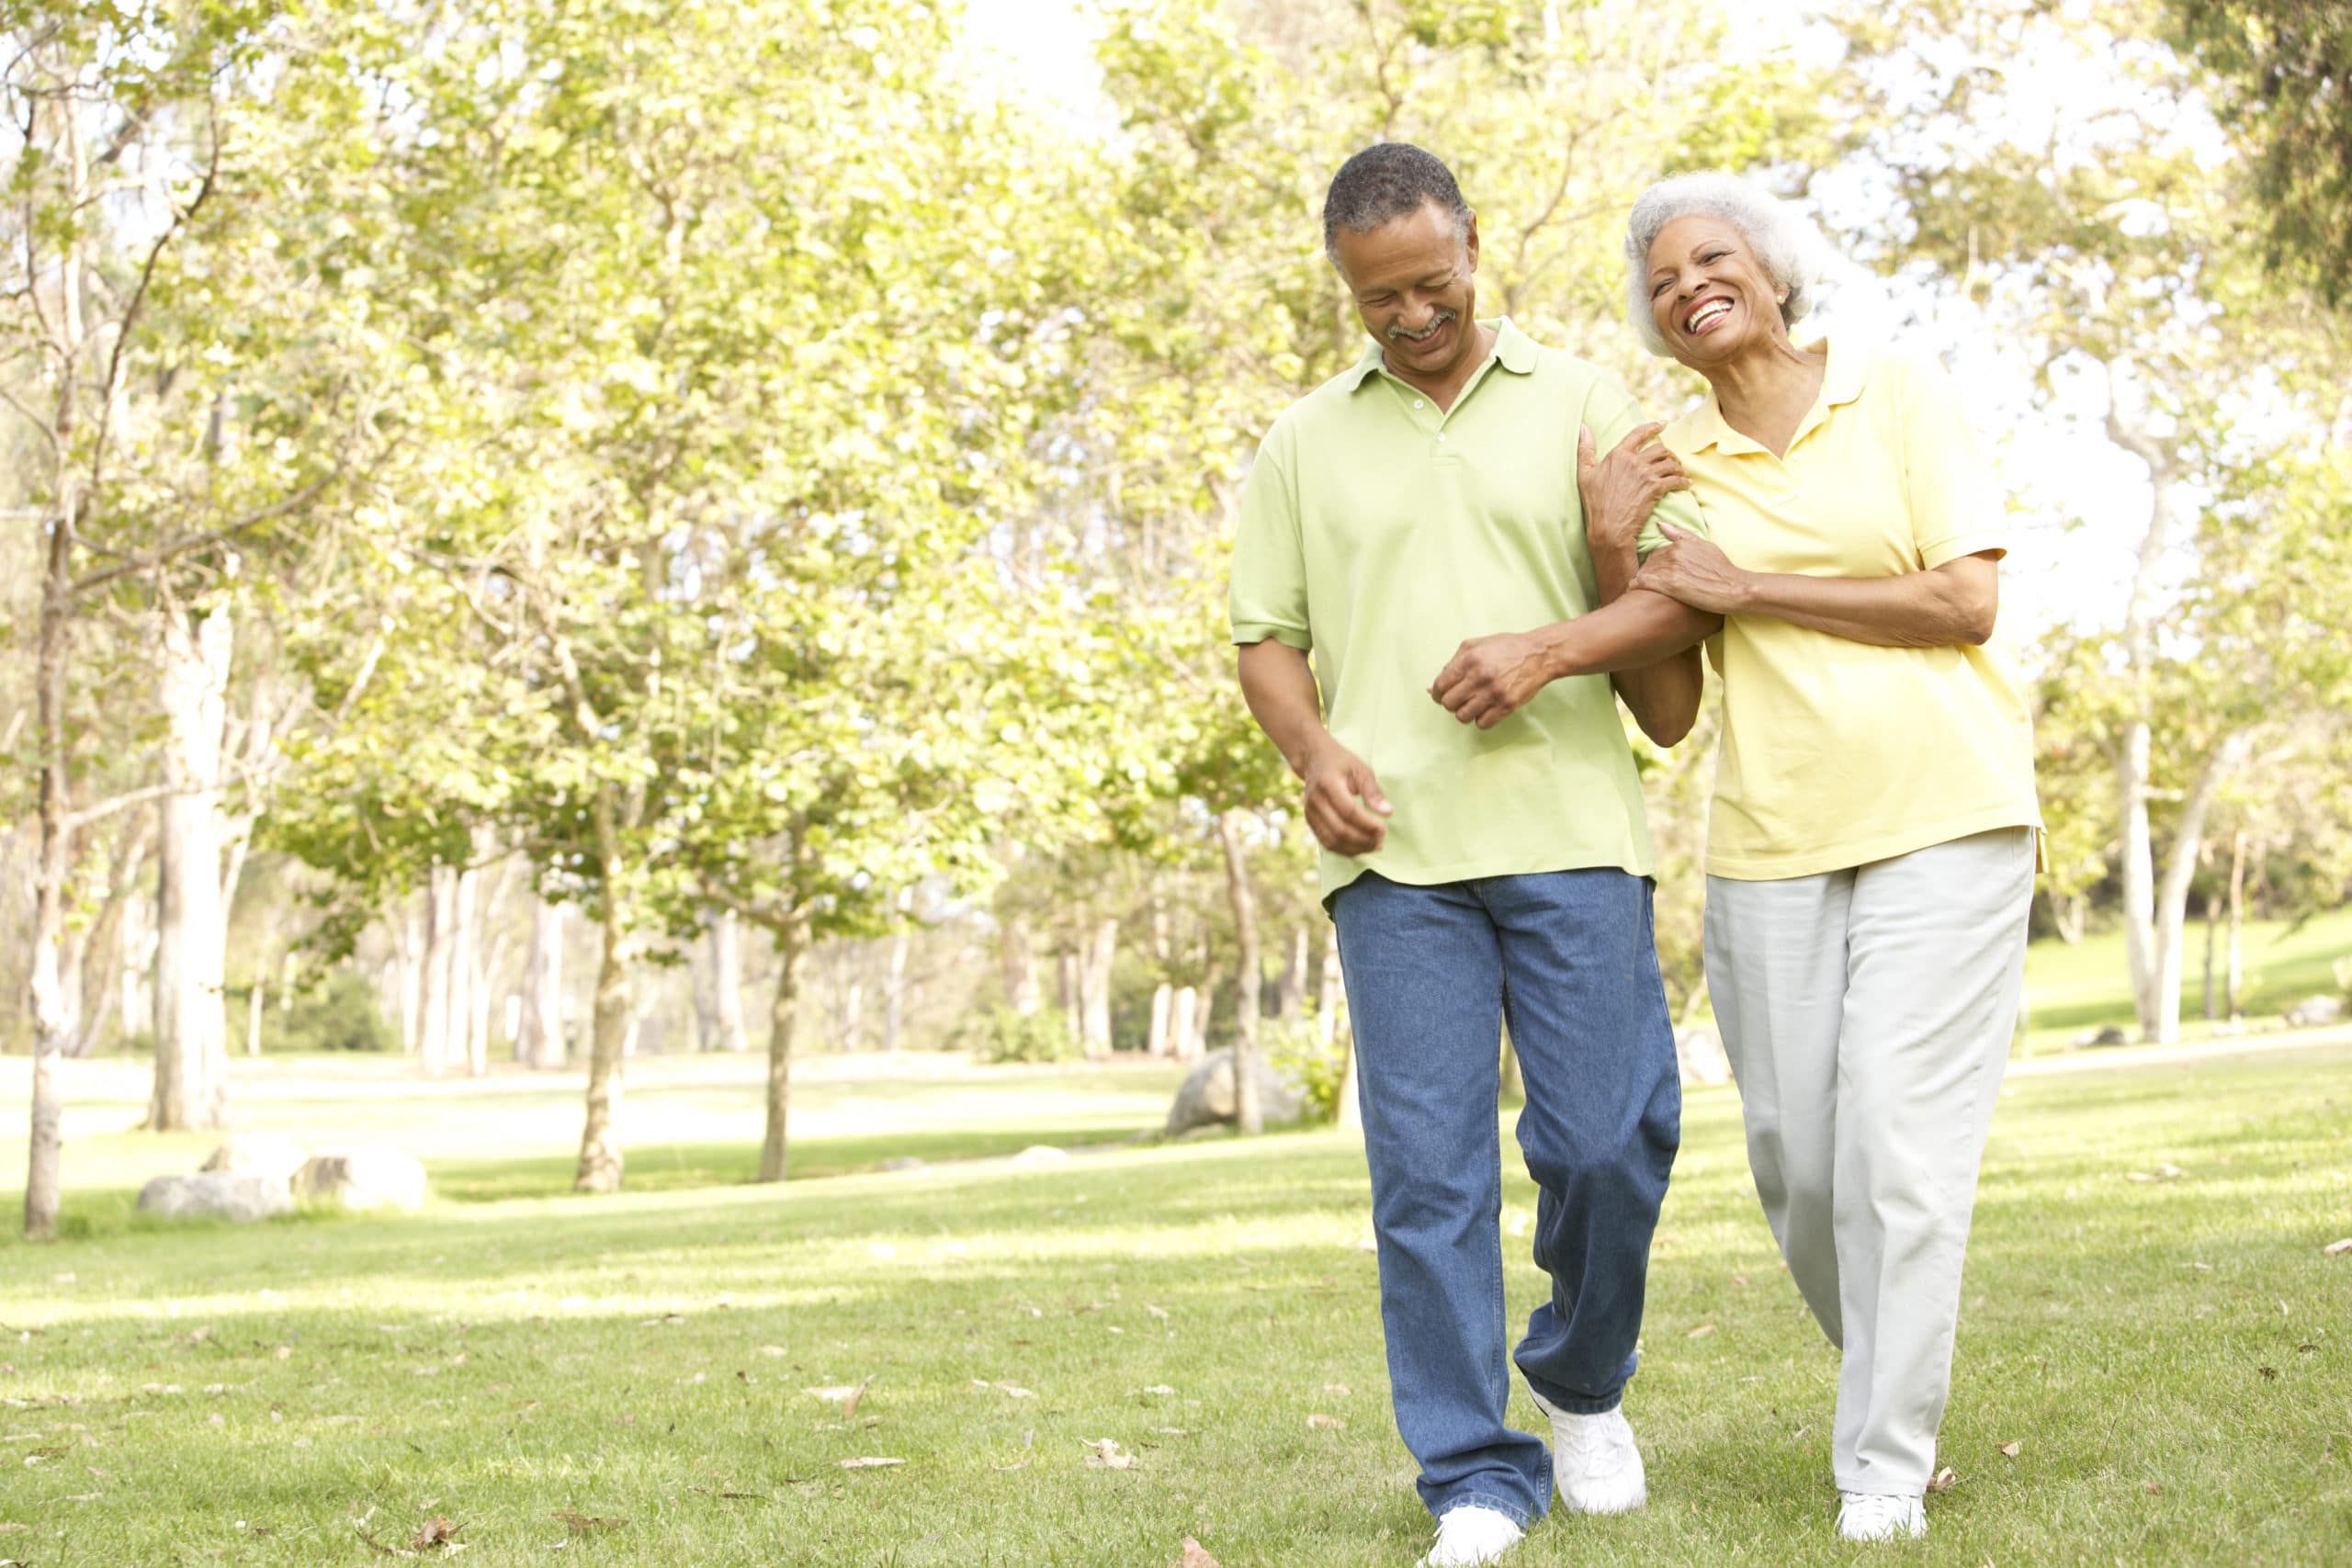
{"type": "Point", "coordinates": [2088, 985]}
{"type": "Point", "coordinates": [2171, 1353]}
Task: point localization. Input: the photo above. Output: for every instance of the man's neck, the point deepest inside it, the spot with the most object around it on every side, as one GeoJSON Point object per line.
{"type": "Point", "coordinates": [1443, 389]}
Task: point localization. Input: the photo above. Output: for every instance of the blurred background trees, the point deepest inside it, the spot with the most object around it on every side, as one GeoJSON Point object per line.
{"type": "Point", "coordinates": [541, 531]}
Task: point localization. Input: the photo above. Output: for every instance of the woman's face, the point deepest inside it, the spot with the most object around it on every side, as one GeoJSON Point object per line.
{"type": "Point", "coordinates": [1712, 298]}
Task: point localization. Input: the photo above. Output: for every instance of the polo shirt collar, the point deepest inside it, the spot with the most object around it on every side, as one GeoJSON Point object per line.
{"type": "Point", "coordinates": [1842, 380]}
{"type": "Point", "coordinates": [1513, 350]}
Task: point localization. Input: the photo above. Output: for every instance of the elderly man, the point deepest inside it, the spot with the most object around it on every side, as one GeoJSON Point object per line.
{"type": "Point", "coordinates": [1417, 526]}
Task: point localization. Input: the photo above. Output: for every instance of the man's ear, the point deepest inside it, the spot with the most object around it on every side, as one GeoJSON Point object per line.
{"type": "Point", "coordinates": [1470, 242]}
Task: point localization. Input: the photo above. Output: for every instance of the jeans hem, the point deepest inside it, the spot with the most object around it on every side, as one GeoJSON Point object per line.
{"type": "Point", "coordinates": [1570, 1404]}
{"type": "Point", "coordinates": [1518, 1514]}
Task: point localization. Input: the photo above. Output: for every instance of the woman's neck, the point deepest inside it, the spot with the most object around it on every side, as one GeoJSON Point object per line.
{"type": "Point", "coordinates": [1764, 394]}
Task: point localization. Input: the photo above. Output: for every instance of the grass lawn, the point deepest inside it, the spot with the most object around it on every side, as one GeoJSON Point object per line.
{"type": "Point", "coordinates": [2149, 1315]}
{"type": "Point", "coordinates": [2087, 985]}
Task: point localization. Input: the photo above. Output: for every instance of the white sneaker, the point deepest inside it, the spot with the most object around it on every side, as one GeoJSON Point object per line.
{"type": "Point", "coordinates": [1879, 1516]}
{"type": "Point", "coordinates": [1471, 1535]}
{"type": "Point", "coordinates": [1595, 1461]}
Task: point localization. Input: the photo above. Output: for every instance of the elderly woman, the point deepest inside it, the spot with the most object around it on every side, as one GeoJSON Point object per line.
{"type": "Point", "coordinates": [1874, 834]}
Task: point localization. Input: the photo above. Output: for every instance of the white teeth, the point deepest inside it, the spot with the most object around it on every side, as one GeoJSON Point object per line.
{"type": "Point", "coordinates": [1705, 313]}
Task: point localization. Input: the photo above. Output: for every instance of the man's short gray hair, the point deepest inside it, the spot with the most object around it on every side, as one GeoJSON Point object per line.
{"type": "Point", "coordinates": [1788, 245]}
{"type": "Point", "coordinates": [1387, 181]}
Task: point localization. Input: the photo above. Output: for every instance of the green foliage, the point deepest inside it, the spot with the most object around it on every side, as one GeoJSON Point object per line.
{"type": "Point", "coordinates": [338, 1014]}
{"type": "Point", "coordinates": [1004, 1035]}
{"type": "Point", "coordinates": [2286, 69]}
{"type": "Point", "coordinates": [1295, 1050]}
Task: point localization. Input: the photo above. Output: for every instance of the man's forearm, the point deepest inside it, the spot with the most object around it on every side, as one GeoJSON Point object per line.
{"type": "Point", "coordinates": [1279, 685]}
{"type": "Point", "coordinates": [1664, 696]}
{"type": "Point", "coordinates": [1638, 629]}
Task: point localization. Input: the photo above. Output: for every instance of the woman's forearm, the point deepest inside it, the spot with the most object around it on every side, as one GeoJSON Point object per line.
{"type": "Point", "coordinates": [1952, 605]}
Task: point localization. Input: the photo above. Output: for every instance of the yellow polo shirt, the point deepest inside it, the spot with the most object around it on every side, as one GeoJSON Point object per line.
{"type": "Point", "coordinates": [1837, 753]}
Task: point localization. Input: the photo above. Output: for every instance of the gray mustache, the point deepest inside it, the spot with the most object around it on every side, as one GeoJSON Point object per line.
{"type": "Point", "coordinates": [1423, 335]}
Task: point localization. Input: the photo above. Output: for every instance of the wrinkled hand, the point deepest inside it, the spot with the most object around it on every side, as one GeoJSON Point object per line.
{"type": "Point", "coordinates": [1490, 678]}
{"type": "Point", "coordinates": [1620, 490]}
{"type": "Point", "coordinates": [1344, 806]}
{"type": "Point", "coordinates": [1694, 570]}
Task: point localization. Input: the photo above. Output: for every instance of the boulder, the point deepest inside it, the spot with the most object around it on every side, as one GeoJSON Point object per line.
{"type": "Point", "coordinates": [1206, 1097]}
{"type": "Point", "coordinates": [1042, 1154]}
{"type": "Point", "coordinates": [240, 1198]}
{"type": "Point", "coordinates": [364, 1178]}
{"type": "Point", "coordinates": [2099, 1038]}
{"type": "Point", "coordinates": [1698, 1053]}
{"type": "Point", "coordinates": [266, 1155]}
{"type": "Point", "coordinates": [2313, 1011]}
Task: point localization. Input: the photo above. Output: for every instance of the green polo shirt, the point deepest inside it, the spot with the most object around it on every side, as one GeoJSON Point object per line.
{"type": "Point", "coordinates": [1378, 533]}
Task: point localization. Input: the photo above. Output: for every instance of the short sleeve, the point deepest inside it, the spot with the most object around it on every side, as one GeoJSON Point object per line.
{"type": "Point", "coordinates": [1955, 502]}
{"type": "Point", "coordinates": [1609, 414]}
{"type": "Point", "coordinates": [1268, 597]}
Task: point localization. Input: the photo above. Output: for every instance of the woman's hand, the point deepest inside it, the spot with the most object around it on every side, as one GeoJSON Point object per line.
{"type": "Point", "coordinates": [1620, 491]}
{"type": "Point", "coordinates": [1693, 571]}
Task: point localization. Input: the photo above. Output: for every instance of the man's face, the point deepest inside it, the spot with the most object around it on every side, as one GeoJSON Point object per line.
{"type": "Point", "coordinates": [1414, 282]}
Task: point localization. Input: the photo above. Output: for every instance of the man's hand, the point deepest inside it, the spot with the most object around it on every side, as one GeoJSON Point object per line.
{"type": "Point", "coordinates": [1490, 678]}
{"type": "Point", "coordinates": [1620, 490]}
{"type": "Point", "coordinates": [1694, 571]}
{"type": "Point", "coordinates": [1344, 806]}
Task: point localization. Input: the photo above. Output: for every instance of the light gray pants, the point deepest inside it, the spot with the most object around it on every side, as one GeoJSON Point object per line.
{"type": "Point", "coordinates": [1867, 1014]}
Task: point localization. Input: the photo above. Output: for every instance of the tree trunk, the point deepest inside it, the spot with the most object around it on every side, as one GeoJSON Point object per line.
{"type": "Point", "coordinates": [1163, 1001]}
{"type": "Point", "coordinates": [1184, 1040]}
{"type": "Point", "coordinates": [2140, 943]}
{"type": "Point", "coordinates": [469, 1015]}
{"type": "Point", "coordinates": [894, 999]}
{"type": "Point", "coordinates": [1095, 988]}
{"type": "Point", "coordinates": [2068, 916]}
{"type": "Point", "coordinates": [1065, 974]}
{"type": "Point", "coordinates": [1333, 996]}
{"type": "Point", "coordinates": [783, 1019]}
{"type": "Point", "coordinates": [1290, 988]}
{"type": "Point", "coordinates": [540, 1042]}
{"type": "Point", "coordinates": [2213, 931]}
{"type": "Point", "coordinates": [191, 927]}
{"type": "Point", "coordinates": [726, 938]}
{"type": "Point", "coordinates": [616, 1023]}
{"type": "Point", "coordinates": [436, 992]}
{"type": "Point", "coordinates": [1249, 983]}
{"type": "Point", "coordinates": [2237, 920]}
{"type": "Point", "coordinates": [2180, 869]}
{"type": "Point", "coordinates": [1020, 990]}
{"type": "Point", "coordinates": [47, 1140]}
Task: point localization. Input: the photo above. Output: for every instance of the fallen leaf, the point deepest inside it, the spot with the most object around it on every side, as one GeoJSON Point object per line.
{"type": "Point", "coordinates": [1945, 1480]}
{"type": "Point", "coordinates": [1172, 1431]}
{"type": "Point", "coordinates": [1156, 1311]}
{"type": "Point", "coordinates": [438, 1530]}
{"type": "Point", "coordinates": [856, 1393]}
{"type": "Point", "coordinates": [586, 1523]}
{"type": "Point", "coordinates": [1701, 1332]}
{"type": "Point", "coordinates": [771, 1350]}
{"type": "Point", "coordinates": [1196, 1556]}
{"type": "Point", "coordinates": [2151, 1489]}
{"type": "Point", "coordinates": [2337, 1249]}
{"type": "Point", "coordinates": [1012, 1391]}
{"type": "Point", "coordinates": [1331, 1422]}
{"type": "Point", "coordinates": [2170, 1172]}
{"type": "Point", "coordinates": [1336, 1390]}
{"type": "Point", "coordinates": [870, 1463]}
{"type": "Point", "coordinates": [1106, 1455]}
{"type": "Point", "coordinates": [2269, 1374]}
{"type": "Point", "coordinates": [2014, 1447]}
{"type": "Point", "coordinates": [736, 1497]}
{"type": "Point", "coordinates": [835, 1391]}
{"type": "Point", "coordinates": [1160, 1388]}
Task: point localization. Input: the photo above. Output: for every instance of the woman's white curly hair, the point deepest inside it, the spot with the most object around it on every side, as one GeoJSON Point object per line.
{"type": "Point", "coordinates": [1791, 249]}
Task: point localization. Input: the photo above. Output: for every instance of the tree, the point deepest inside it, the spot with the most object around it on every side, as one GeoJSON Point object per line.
{"type": "Point", "coordinates": [2285, 78]}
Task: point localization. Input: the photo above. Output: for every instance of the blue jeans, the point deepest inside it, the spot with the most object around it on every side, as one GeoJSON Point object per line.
{"type": "Point", "coordinates": [1432, 974]}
